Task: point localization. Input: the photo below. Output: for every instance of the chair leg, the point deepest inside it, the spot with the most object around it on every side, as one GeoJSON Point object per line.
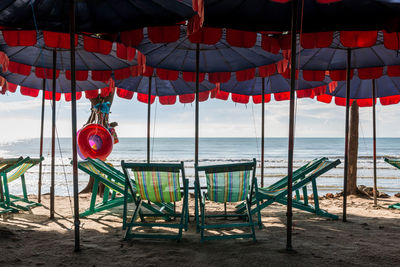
{"type": "Point", "coordinates": [135, 214]}
{"type": "Point", "coordinates": [203, 218]}
{"type": "Point", "coordinates": [187, 205]}
{"type": "Point", "coordinates": [196, 207]}
{"type": "Point", "coordinates": [258, 214]}
{"type": "Point", "coordinates": [183, 223]}
{"type": "Point", "coordinates": [315, 193]}
{"type": "Point", "coordinates": [94, 195]}
{"type": "Point", "coordinates": [248, 207]}
{"type": "Point", "coordinates": [6, 192]}
{"type": "Point", "coordinates": [25, 194]}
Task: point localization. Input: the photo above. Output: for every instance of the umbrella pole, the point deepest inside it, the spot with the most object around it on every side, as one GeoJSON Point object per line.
{"type": "Point", "coordinates": [53, 135]}
{"type": "Point", "coordinates": [262, 131]}
{"type": "Point", "coordinates": [289, 213]}
{"type": "Point", "coordinates": [374, 138]}
{"type": "Point", "coordinates": [41, 143]}
{"type": "Point", "coordinates": [74, 127]}
{"type": "Point", "coordinates": [346, 146]}
{"type": "Point", "coordinates": [196, 138]}
{"type": "Point", "coordinates": [148, 121]}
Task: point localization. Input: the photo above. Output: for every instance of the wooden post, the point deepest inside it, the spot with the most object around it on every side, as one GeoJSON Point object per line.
{"type": "Point", "coordinates": [374, 139]}
{"type": "Point", "coordinates": [196, 138]}
{"type": "Point", "coordinates": [74, 128]}
{"type": "Point", "coordinates": [353, 150]}
{"type": "Point", "coordinates": [346, 146]}
{"type": "Point", "coordinates": [41, 142]}
{"type": "Point", "coordinates": [148, 121]}
{"type": "Point", "coordinates": [53, 136]}
{"type": "Point", "coordinates": [289, 214]}
{"type": "Point", "coordinates": [262, 131]}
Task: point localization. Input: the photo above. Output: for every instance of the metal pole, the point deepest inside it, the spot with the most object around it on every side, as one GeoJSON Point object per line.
{"type": "Point", "coordinates": [148, 121]}
{"type": "Point", "coordinates": [53, 136]}
{"type": "Point", "coordinates": [291, 125]}
{"type": "Point", "coordinates": [262, 131]}
{"type": "Point", "coordinates": [346, 145]}
{"type": "Point", "coordinates": [374, 138]}
{"type": "Point", "coordinates": [41, 143]}
{"type": "Point", "coordinates": [74, 128]}
{"type": "Point", "coordinates": [196, 139]}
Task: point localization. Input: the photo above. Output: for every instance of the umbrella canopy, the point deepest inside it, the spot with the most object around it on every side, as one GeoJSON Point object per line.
{"type": "Point", "coordinates": [63, 85]}
{"type": "Point", "coordinates": [41, 54]}
{"type": "Point", "coordinates": [160, 87]}
{"type": "Point", "coordinates": [273, 84]}
{"type": "Point", "coordinates": [387, 89]}
{"type": "Point", "coordinates": [368, 50]}
{"type": "Point", "coordinates": [219, 56]}
{"type": "Point", "coordinates": [93, 16]}
{"type": "Point", "coordinates": [269, 15]}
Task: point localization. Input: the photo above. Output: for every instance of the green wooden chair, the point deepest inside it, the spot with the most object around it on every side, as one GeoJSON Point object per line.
{"type": "Point", "coordinates": [395, 163]}
{"type": "Point", "coordinates": [226, 183]}
{"type": "Point", "coordinates": [5, 164]}
{"type": "Point", "coordinates": [114, 182]}
{"type": "Point", "coordinates": [305, 175]}
{"type": "Point", "coordinates": [156, 183]}
{"type": "Point", "coordinates": [12, 170]}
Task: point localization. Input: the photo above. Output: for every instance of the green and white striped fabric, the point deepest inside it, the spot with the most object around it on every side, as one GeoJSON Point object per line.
{"type": "Point", "coordinates": [158, 186]}
{"type": "Point", "coordinates": [228, 186]}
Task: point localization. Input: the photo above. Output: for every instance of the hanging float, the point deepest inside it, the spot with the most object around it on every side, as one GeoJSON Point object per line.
{"type": "Point", "coordinates": [96, 138]}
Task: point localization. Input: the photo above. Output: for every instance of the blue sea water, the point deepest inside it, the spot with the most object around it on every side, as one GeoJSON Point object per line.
{"type": "Point", "coordinates": [217, 151]}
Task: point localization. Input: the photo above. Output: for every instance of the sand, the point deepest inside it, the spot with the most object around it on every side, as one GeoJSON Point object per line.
{"type": "Point", "coordinates": [370, 237]}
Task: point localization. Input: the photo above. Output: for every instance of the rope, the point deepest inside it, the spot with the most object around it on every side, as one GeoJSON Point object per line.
{"type": "Point", "coordinates": [62, 162]}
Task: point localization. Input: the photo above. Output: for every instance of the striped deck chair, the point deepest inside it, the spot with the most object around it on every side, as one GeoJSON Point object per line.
{"type": "Point", "coordinates": [114, 181]}
{"type": "Point", "coordinates": [301, 179]}
{"type": "Point", "coordinates": [395, 163]}
{"type": "Point", "coordinates": [11, 170]}
{"type": "Point", "coordinates": [282, 183]}
{"type": "Point", "coordinates": [226, 183]}
{"type": "Point", "coordinates": [157, 183]}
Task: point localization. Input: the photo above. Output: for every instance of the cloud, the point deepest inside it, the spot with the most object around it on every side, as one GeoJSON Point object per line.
{"type": "Point", "coordinates": [19, 105]}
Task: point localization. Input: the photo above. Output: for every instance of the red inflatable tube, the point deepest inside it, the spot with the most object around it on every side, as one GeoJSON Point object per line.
{"type": "Point", "coordinates": [95, 141]}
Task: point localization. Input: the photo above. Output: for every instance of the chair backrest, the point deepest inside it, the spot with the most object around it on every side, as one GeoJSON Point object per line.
{"type": "Point", "coordinates": [228, 182]}
{"type": "Point", "coordinates": [109, 176]}
{"type": "Point", "coordinates": [18, 169]}
{"type": "Point", "coordinates": [298, 174]}
{"type": "Point", "coordinates": [8, 162]}
{"type": "Point", "coordinates": [393, 162]}
{"type": "Point", "coordinates": [157, 182]}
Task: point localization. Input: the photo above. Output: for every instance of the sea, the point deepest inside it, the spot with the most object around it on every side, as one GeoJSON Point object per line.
{"type": "Point", "coordinates": [215, 151]}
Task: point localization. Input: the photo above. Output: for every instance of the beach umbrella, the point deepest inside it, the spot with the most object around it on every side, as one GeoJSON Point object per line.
{"type": "Point", "coordinates": [148, 87]}
{"type": "Point", "coordinates": [94, 17]}
{"type": "Point", "coordinates": [199, 54]}
{"type": "Point", "coordinates": [365, 92]}
{"type": "Point", "coordinates": [48, 56]}
{"type": "Point", "coordinates": [39, 53]}
{"type": "Point", "coordinates": [341, 53]}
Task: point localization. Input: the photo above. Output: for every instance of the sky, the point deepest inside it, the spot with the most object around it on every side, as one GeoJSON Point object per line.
{"type": "Point", "coordinates": [20, 118]}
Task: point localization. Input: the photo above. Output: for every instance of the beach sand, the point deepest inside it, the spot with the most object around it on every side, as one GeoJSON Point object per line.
{"type": "Point", "coordinates": [370, 237]}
